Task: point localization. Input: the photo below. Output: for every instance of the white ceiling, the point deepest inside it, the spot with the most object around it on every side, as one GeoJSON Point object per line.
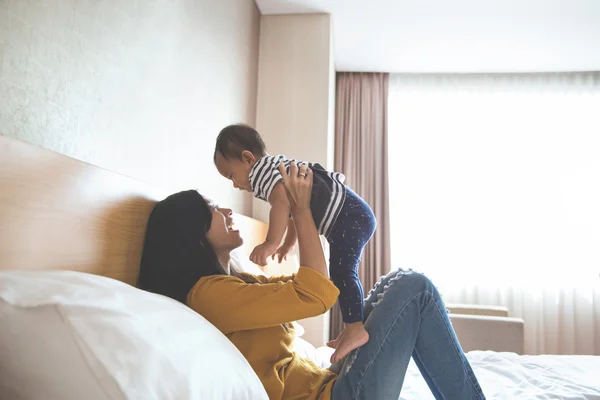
{"type": "Point", "coordinates": [458, 35]}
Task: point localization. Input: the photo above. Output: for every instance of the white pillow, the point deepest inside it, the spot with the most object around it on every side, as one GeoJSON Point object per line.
{"type": "Point", "coordinates": [68, 335]}
{"type": "Point", "coordinates": [298, 328]}
{"type": "Point", "coordinates": [319, 356]}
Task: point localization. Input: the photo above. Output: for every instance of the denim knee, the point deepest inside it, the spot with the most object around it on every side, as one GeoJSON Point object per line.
{"type": "Point", "coordinates": [417, 282]}
{"type": "Point", "coordinates": [411, 283]}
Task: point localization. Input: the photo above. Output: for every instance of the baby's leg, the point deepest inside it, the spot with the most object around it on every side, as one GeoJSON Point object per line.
{"type": "Point", "coordinates": [349, 235]}
{"type": "Point", "coordinates": [354, 334]}
{"type": "Point", "coordinates": [351, 305]}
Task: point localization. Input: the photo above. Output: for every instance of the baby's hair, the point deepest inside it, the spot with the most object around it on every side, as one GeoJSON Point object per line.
{"type": "Point", "coordinates": [234, 139]}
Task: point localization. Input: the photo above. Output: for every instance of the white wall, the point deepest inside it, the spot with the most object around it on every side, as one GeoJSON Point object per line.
{"type": "Point", "coordinates": [138, 87]}
{"type": "Point", "coordinates": [295, 103]}
{"type": "Point", "coordinates": [295, 95]}
{"type": "Point", "coordinates": [293, 85]}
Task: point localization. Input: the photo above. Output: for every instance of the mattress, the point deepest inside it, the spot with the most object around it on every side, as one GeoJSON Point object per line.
{"type": "Point", "coordinates": [510, 376]}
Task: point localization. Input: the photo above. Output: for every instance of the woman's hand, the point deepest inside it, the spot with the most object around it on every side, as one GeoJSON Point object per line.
{"type": "Point", "coordinates": [298, 185]}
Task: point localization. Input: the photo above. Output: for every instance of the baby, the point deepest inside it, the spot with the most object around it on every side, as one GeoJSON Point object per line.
{"type": "Point", "coordinates": [340, 215]}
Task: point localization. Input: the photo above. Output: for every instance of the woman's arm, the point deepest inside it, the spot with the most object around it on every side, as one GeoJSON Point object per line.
{"type": "Point", "coordinates": [251, 278]}
{"type": "Point", "coordinates": [299, 187]}
{"type": "Point", "coordinates": [233, 305]}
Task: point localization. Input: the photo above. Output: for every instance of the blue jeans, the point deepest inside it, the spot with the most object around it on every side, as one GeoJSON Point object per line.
{"type": "Point", "coordinates": [405, 317]}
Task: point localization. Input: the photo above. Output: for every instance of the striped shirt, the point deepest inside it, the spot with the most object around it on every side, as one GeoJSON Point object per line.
{"type": "Point", "coordinates": [328, 193]}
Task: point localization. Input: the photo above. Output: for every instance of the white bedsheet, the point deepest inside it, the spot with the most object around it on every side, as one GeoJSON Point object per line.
{"type": "Point", "coordinates": [506, 376]}
{"type": "Point", "coordinates": [509, 376]}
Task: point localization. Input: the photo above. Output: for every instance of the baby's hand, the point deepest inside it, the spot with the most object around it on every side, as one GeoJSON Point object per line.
{"type": "Point", "coordinates": [262, 252]}
{"type": "Point", "coordinates": [282, 252]}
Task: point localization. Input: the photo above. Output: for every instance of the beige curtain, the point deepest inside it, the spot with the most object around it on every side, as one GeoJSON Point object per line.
{"type": "Point", "coordinates": [361, 128]}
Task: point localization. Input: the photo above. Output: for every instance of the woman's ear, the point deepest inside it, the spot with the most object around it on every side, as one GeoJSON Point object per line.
{"type": "Point", "coordinates": [248, 157]}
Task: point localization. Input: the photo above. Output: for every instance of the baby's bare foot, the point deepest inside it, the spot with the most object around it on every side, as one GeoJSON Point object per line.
{"type": "Point", "coordinates": [334, 343]}
{"type": "Point", "coordinates": [354, 336]}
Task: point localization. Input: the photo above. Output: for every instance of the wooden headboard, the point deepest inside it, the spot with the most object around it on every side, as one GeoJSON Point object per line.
{"type": "Point", "coordinates": [60, 213]}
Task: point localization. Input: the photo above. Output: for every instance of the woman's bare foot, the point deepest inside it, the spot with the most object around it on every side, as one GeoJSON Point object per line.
{"type": "Point", "coordinates": [354, 336]}
{"type": "Point", "coordinates": [334, 343]}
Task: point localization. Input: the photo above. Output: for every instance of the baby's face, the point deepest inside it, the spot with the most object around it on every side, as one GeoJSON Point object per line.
{"type": "Point", "coordinates": [236, 170]}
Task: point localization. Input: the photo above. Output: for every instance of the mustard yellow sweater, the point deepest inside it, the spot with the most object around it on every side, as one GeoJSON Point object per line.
{"type": "Point", "coordinates": [255, 312]}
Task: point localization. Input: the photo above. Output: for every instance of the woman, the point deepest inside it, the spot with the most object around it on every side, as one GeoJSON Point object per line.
{"type": "Point", "coordinates": [186, 257]}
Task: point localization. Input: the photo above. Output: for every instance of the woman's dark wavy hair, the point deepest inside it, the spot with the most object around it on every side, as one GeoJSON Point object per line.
{"type": "Point", "coordinates": [176, 251]}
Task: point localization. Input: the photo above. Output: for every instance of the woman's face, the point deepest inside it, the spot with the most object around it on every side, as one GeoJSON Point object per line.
{"type": "Point", "coordinates": [221, 235]}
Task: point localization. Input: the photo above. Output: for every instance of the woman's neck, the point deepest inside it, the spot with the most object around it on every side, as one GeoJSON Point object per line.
{"type": "Point", "coordinates": [224, 258]}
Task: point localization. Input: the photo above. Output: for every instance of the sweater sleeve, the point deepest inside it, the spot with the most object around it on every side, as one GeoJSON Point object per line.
{"type": "Point", "coordinates": [251, 278]}
{"type": "Point", "coordinates": [233, 305]}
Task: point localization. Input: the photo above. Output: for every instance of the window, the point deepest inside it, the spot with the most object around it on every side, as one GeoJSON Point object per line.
{"type": "Point", "coordinates": [496, 178]}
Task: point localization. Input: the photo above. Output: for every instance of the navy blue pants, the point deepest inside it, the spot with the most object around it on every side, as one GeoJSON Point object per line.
{"type": "Point", "coordinates": [350, 233]}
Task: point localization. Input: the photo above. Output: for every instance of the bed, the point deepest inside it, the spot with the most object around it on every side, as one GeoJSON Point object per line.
{"type": "Point", "coordinates": [505, 375]}
{"type": "Point", "coordinates": [72, 326]}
